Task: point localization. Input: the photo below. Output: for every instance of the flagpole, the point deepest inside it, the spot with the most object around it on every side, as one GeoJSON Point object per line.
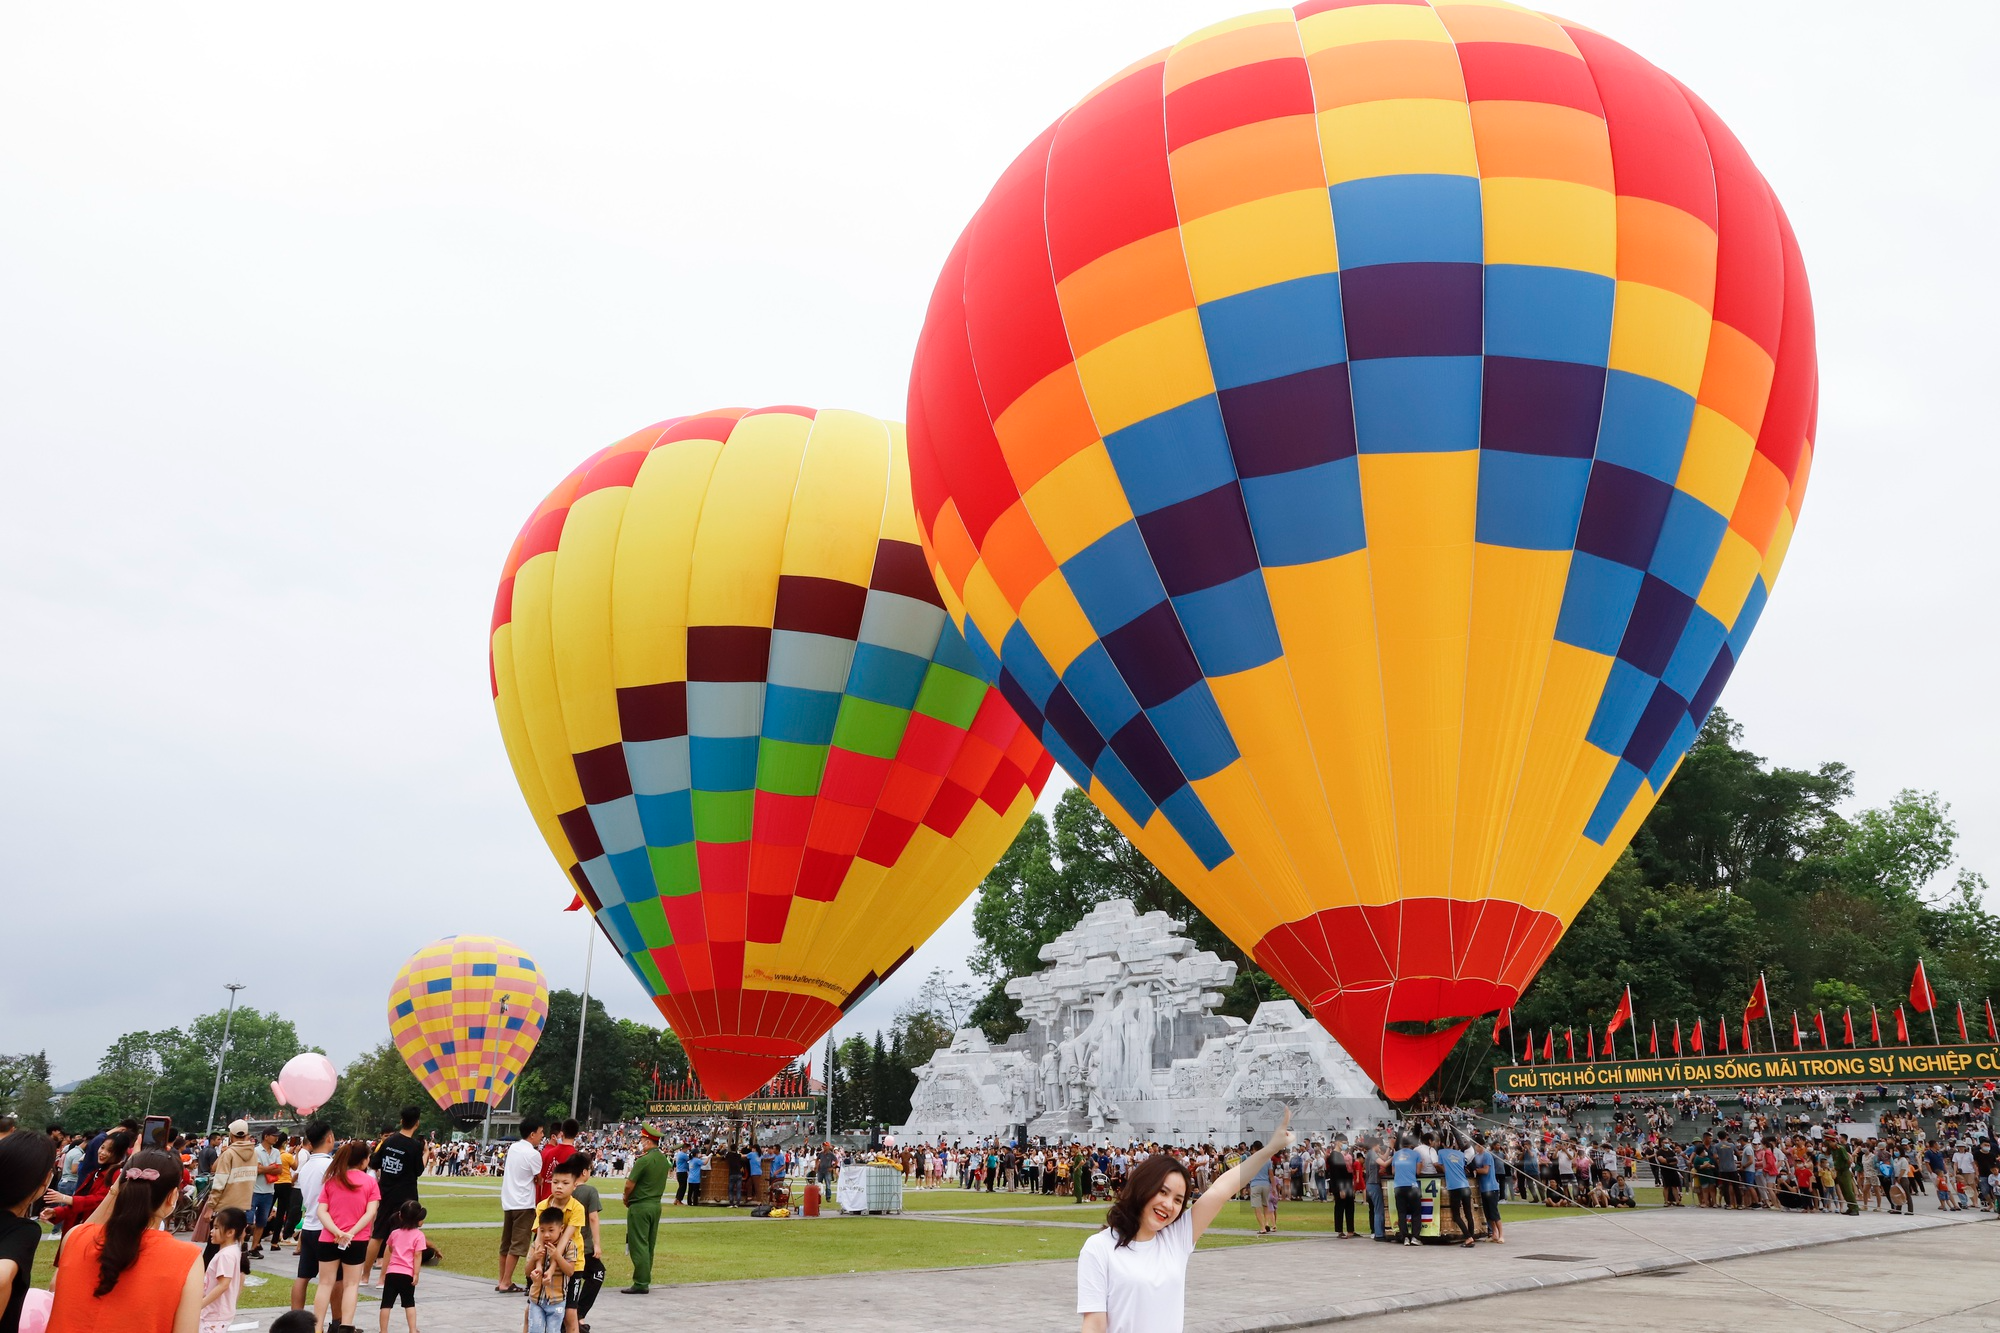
{"type": "Point", "coordinates": [1875, 1024]}
{"type": "Point", "coordinates": [1769, 1021]}
{"type": "Point", "coordinates": [1632, 1016]}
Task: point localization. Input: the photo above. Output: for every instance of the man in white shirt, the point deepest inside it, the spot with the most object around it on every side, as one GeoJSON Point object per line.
{"type": "Point", "coordinates": [311, 1175]}
{"type": "Point", "coordinates": [517, 1200]}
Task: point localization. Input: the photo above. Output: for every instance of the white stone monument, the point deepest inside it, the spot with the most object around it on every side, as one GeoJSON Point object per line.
{"type": "Point", "coordinates": [1122, 1045]}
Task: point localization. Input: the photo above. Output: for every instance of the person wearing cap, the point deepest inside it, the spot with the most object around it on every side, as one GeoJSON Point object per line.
{"type": "Point", "coordinates": [234, 1180]}
{"type": "Point", "coordinates": [644, 1187]}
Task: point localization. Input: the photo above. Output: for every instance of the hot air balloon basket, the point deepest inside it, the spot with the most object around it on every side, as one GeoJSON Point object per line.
{"type": "Point", "coordinates": [468, 1115]}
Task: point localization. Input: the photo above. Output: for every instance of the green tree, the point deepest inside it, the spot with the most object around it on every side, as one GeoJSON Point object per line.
{"type": "Point", "coordinates": [374, 1089]}
{"type": "Point", "coordinates": [24, 1089]}
{"type": "Point", "coordinates": [172, 1071]}
{"type": "Point", "coordinates": [854, 1063]}
{"type": "Point", "coordinates": [882, 1085]}
{"type": "Point", "coordinates": [548, 1077]}
{"type": "Point", "coordinates": [1743, 868]}
{"type": "Point", "coordinates": [649, 1052]}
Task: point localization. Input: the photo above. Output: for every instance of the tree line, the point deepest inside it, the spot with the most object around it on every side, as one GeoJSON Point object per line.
{"type": "Point", "coordinates": [171, 1072]}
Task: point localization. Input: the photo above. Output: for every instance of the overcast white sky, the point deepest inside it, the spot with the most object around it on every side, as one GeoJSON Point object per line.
{"type": "Point", "coordinates": [303, 308]}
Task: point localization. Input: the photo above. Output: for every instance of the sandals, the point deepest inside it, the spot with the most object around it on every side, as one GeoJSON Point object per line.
{"type": "Point", "coordinates": [511, 1289]}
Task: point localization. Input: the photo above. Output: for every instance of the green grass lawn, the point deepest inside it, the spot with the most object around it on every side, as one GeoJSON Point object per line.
{"type": "Point", "coordinates": [801, 1247]}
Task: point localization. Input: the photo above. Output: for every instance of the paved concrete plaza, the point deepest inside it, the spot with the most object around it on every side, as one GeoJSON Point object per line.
{"type": "Point", "coordinates": [1947, 1281]}
{"type": "Point", "coordinates": [1891, 1265]}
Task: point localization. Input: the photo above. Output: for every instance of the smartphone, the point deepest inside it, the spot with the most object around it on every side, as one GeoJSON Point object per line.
{"type": "Point", "coordinates": [151, 1136]}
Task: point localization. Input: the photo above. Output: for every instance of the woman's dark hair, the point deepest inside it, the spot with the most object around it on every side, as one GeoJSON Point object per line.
{"type": "Point", "coordinates": [1140, 1187]}
{"type": "Point", "coordinates": [349, 1156]}
{"type": "Point", "coordinates": [232, 1220]}
{"type": "Point", "coordinates": [146, 1182]}
{"type": "Point", "coordinates": [411, 1214]}
{"type": "Point", "coordinates": [26, 1163]}
{"type": "Point", "coordinates": [119, 1141]}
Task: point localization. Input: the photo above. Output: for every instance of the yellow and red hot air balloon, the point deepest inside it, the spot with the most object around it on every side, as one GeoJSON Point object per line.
{"type": "Point", "coordinates": [466, 1012]}
{"type": "Point", "coordinates": [745, 725]}
{"type": "Point", "coordinates": [1360, 441]}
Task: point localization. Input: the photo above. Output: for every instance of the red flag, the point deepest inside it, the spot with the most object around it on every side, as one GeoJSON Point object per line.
{"type": "Point", "coordinates": [1847, 1023]}
{"type": "Point", "coordinates": [1653, 1046]}
{"type": "Point", "coordinates": [1590, 1043]}
{"type": "Point", "coordinates": [1760, 1001]}
{"type": "Point", "coordinates": [1875, 1024]}
{"type": "Point", "coordinates": [1569, 1039]}
{"type": "Point", "coordinates": [1677, 1036]}
{"type": "Point", "coordinates": [1502, 1023]}
{"type": "Point", "coordinates": [1623, 1016]}
{"type": "Point", "coordinates": [1531, 1046]}
{"type": "Point", "coordinates": [1747, 1047]}
{"type": "Point", "coordinates": [1992, 1028]}
{"type": "Point", "coordinates": [1922, 998]}
{"type": "Point", "coordinates": [1962, 1035]}
{"type": "Point", "coordinates": [1902, 1027]}
{"type": "Point", "coordinates": [575, 904]}
{"type": "Point", "coordinates": [1798, 1034]}
{"type": "Point", "coordinates": [1819, 1021]}
{"type": "Point", "coordinates": [1694, 1044]}
{"type": "Point", "coordinates": [1549, 1047]}
{"type": "Point", "coordinates": [1722, 1036]}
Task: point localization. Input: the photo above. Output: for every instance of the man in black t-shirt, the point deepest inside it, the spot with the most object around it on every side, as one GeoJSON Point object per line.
{"type": "Point", "coordinates": [399, 1161]}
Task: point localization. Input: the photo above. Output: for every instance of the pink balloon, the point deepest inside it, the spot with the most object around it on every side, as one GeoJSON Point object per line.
{"type": "Point", "coordinates": [306, 1082]}
{"type": "Point", "coordinates": [35, 1310]}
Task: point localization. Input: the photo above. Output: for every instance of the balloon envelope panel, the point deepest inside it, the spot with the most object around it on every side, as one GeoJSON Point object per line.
{"type": "Point", "coordinates": [465, 1013]}
{"type": "Point", "coordinates": [1360, 440]}
{"type": "Point", "coordinates": [745, 725]}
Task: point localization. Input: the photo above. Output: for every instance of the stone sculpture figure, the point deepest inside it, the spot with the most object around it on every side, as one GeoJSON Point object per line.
{"type": "Point", "coordinates": [1122, 1041]}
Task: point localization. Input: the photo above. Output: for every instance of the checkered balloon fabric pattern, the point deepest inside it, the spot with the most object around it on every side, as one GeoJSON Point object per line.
{"type": "Point", "coordinates": [1360, 440]}
{"type": "Point", "coordinates": [465, 1013]}
{"type": "Point", "coordinates": [748, 731]}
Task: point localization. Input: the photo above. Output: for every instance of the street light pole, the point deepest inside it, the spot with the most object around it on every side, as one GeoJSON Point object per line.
{"type": "Point", "coordinates": [222, 1053]}
{"type": "Point", "coordinates": [582, 1016]}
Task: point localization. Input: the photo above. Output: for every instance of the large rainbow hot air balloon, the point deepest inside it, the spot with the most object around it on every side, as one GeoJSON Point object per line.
{"type": "Point", "coordinates": [465, 1013]}
{"type": "Point", "coordinates": [745, 725]}
{"type": "Point", "coordinates": [1361, 440]}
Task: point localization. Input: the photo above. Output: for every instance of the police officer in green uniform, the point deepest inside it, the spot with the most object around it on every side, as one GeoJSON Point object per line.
{"type": "Point", "coordinates": [643, 1189]}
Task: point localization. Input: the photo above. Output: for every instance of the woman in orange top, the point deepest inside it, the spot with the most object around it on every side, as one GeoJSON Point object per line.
{"type": "Point", "coordinates": [123, 1272]}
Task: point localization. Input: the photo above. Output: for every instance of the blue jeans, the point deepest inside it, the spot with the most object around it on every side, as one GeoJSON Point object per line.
{"type": "Point", "coordinates": [1377, 1215]}
{"type": "Point", "coordinates": [546, 1316]}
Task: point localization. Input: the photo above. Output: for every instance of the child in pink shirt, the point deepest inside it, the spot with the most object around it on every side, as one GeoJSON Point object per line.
{"type": "Point", "coordinates": [222, 1281]}
{"type": "Point", "coordinates": [405, 1252]}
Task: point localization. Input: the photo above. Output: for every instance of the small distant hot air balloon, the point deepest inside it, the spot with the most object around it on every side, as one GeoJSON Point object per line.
{"type": "Point", "coordinates": [1360, 441]}
{"type": "Point", "coordinates": [745, 725]}
{"type": "Point", "coordinates": [306, 1082]}
{"type": "Point", "coordinates": [465, 1013]}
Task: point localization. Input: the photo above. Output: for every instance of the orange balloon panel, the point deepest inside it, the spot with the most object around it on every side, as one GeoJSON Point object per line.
{"type": "Point", "coordinates": [1361, 440]}
{"type": "Point", "coordinates": [745, 725]}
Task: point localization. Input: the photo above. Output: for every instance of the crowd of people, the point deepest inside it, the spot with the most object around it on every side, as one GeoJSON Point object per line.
{"type": "Point", "coordinates": [349, 1216]}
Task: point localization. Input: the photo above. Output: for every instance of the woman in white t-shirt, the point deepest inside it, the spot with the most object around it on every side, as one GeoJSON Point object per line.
{"type": "Point", "coordinates": [1132, 1276]}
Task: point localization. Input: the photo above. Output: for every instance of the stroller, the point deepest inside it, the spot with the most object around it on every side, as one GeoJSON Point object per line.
{"type": "Point", "coordinates": [186, 1209]}
{"type": "Point", "coordinates": [1100, 1185]}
